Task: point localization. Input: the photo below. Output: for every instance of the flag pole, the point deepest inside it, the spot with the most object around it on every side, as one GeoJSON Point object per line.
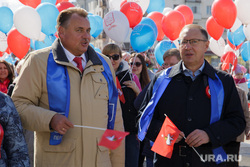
{"type": "Point", "coordinates": [89, 127]}
{"type": "Point", "coordinates": [193, 148]}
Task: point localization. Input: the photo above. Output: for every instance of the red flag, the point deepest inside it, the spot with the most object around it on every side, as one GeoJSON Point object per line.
{"type": "Point", "coordinates": [112, 138]}
{"type": "Point", "coordinates": [120, 92]}
{"type": "Point", "coordinates": [165, 140]}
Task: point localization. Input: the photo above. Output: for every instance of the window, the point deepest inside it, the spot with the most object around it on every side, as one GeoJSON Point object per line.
{"type": "Point", "coordinates": [208, 10]}
{"type": "Point", "coordinates": [194, 9]}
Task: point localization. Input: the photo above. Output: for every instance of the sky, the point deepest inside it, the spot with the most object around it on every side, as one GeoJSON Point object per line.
{"type": "Point", "coordinates": [15, 4]}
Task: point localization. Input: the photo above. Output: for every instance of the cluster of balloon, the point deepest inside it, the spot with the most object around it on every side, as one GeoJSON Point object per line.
{"type": "Point", "coordinates": [161, 48]}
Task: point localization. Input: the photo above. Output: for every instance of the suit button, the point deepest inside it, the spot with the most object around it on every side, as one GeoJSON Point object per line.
{"type": "Point", "coordinates": [187, 164]}
{"type": "Point", "coordinates": [190, 98]}
{"type": "Point", "coordinates": [189, 119]}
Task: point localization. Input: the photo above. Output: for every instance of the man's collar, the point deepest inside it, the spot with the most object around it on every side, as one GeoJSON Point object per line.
{"type": "Point", "coordinates": [208, 70]}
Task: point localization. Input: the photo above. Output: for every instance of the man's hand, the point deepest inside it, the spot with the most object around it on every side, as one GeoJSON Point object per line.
{"type": "Point", "coordinates": [60, 123]}
{"type": "Point", "coordinates": [181, 135]}
{"type": "Point", "coordinates": [197, 138]}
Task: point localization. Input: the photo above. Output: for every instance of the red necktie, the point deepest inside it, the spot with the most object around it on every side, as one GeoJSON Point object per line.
{"type": "Point", "coordinates": [78, 61]}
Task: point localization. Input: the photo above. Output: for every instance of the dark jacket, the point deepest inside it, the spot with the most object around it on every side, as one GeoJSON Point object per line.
{"type": "Point", "coordinates": [129, 113]}
{"type": "Point", "coordinates": [187, 105]}
{"type": "Point", "coordinates": [14, 151]}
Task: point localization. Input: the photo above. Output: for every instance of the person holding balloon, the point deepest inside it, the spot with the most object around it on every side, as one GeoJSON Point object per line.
{"type": "Point", "coordinates": [14, 151]}
{"type": "Point", "coordinates": [128, 87]}
{"type": "Point", "coordinates": [6, 76]}
{"type": "Point", "coordinates": [66, 93]}
{"type": "Point", "coordinates": [202, 102]}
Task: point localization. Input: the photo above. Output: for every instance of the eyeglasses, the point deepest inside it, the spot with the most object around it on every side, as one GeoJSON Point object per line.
{"type": "Point", "coordinates": [192, 42]}
{"type": "Point", "coordinates": [114, 57]}
{"type": "Point", "coordinates": [137, 64]}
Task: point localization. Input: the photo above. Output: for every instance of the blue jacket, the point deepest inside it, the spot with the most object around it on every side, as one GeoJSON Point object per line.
{"type": "Point", "coordinates": [14, 151]}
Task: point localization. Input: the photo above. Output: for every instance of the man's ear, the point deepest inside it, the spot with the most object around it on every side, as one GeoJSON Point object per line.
{"type": "Point", "coordinates": [60, 31]}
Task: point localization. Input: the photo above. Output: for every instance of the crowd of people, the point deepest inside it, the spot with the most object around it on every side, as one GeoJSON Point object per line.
{"type": "Point", "coordinates": [70, 84]}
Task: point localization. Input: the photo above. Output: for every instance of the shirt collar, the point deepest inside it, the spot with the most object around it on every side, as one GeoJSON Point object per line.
{"type": "Point", "coordinates": [189, 73]}
{"type": "Point", "coordinates": [70, 56]}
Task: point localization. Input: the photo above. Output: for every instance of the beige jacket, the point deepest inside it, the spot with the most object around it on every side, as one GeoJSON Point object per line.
{"type": "Point", "coordinates": [244, 103]}
{"type": "Point", "coordinates": [88, 106]}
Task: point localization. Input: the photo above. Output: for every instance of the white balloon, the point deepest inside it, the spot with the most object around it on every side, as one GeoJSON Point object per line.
{"type": "Point", "coordinates": [143, 4]}
{"type": "Point", "coordinates": [217, 47]}
{"type": "Point", "coordinates": [28, 22]}
{"type": "Point", "coordinates": [128, 36]}
{"type": "Point", "coordinates": [116, 26]}
{"type": "Point", "coordinates": [243, 12]}
{"type": "Point", "coordinates": [114, 4]}
{"type": "Point", "coordinates": [42, 36]}
{"type": "Point", "coordinates": [166, 10]}
{"type": "Point", "coordinates": [246, 30]}
{"type": "Point", "coordinates": [236, 25]}
{"type": "Point", "coordinates": [229, 49]}
{"type": "Point", "coordinates": [3, 42]}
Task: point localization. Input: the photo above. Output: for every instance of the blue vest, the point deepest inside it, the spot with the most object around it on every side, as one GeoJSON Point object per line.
{"type": "Point", "coordinates": [217, 99]}
{"type": "Point", "coordinates": [59, 96]}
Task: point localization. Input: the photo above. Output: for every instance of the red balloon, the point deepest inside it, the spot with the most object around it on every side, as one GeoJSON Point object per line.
{"type": "Point", "coordinates": [233, 46]}
{"type": "Point", "coordinates": [157, 17]}
{"type": "Point", "coordinates": [133, 12]}
{"type": "Point", "coordinates": [172, 24]}
{"type": "Point", "coordinates": [59, 1]}
{"type": "Point", "coordinates": [18, 44]}
{"type": "Point", "coordinates": [187, 13]}
{"type": "Point", "coordinates": [32, 3]}
{"type": "Point", "coordinates": [213, 28]}
{"type": "Point", "coordinates": [122, 3]}
{"type": "Point", "coordinates": [227, 59]}
{"type": "Point", "coordinates": [64, 5]}
{"type": "Point", "coordinates": [224, 12]}
{"type": "Point", "coordinates": [1, 54]}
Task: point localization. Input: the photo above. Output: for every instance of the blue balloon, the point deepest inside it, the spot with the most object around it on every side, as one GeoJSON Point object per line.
{"type": "Point", "coordinates": [93, 24]}
{"type": "Point", "coordinates": [89, 13]}
{"type": "Point", "coordinates": [161, 48]}
{"type": "Point", "coordinates": [48, 14]}
{"type": "Point", "coordinates": [48, 41]}
{"type": "Point", "coordinates": [245, 51]}
{"type": "Point", "coordinates": [6, 19]}
{"type": "Point", "coordinates": [32, 44]}
{"type": "Point", "coordinates": [247, 76]}
{"type": "Point", "coordinates": [156, 6]}
{"type": "Point", "coordinates": [151, 23]}
{"type": "Point", "coordinates": [236, 37]}
{"type": "Point", "coordinates": [49, 1]}
{"type": "Point", "coordinates": [248, 84]}
{"type": "Point", "coordinates": [142, 37]}
{"type": "Point", "coordinates": [99, 26]}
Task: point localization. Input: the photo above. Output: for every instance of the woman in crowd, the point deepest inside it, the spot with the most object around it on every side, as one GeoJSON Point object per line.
{"type": "Point", "coordinates": [14, 151]}
{"type": "Point", "coordinates": [6, 76]}
{"type": "Point", "coordinates": [139, 68]}
{"type": "Point", "coordinates": [128, 87]}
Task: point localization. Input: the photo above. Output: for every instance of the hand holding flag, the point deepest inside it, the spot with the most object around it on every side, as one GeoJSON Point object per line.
{"type": "Point", "coordinates": [164, 143]}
